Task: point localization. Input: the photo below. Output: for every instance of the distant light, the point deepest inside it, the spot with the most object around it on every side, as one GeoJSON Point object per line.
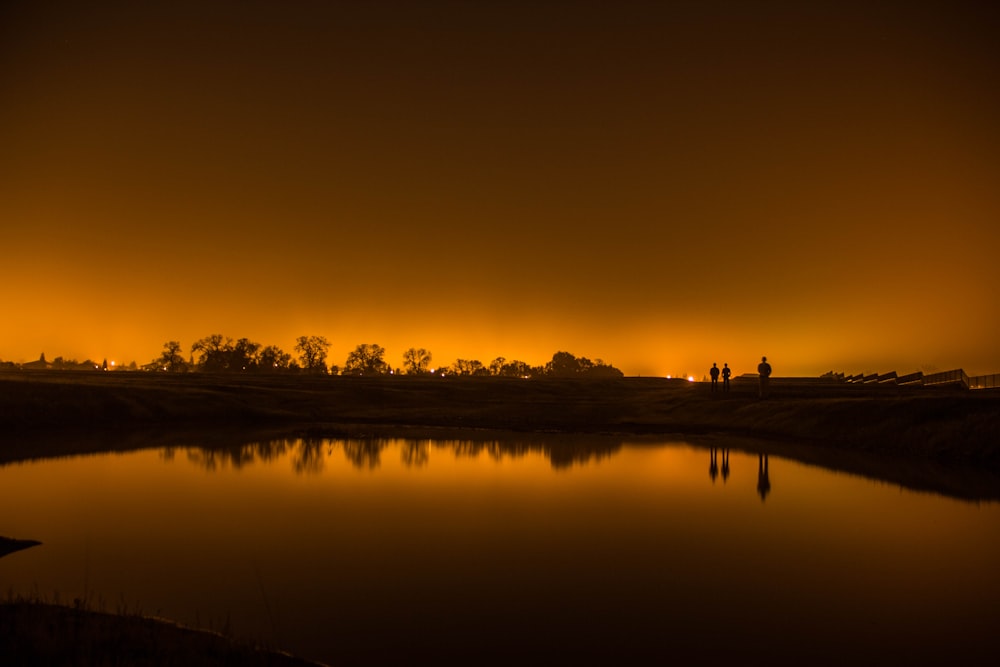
{"type": "Point", "coordinates": [112, 363]}
{"type": "Point", "coordinates": [690, 378]}
{"type": "Point", "coordinates": [668, 377]}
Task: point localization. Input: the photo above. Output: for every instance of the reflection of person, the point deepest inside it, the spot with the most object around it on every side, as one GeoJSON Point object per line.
{"type": "Point", "coordinates": [714, 372]}
{"type": "Point", "coordinates": [763, 479]}
{"type": "Point", "coordinates": [764, 370]}
{"type": "Point", "coordinates": [726, 372]}
{"type": "Point", "coordinates": [713, 463]}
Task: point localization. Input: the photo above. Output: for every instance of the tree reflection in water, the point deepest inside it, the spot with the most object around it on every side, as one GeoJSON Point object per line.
{"type": "Point", "coordinates": [238, 456]}
{"type": "Point", "coordinates": [365, 453]}
{"type": "Point", "coordinates": [308, 454]}
{"type": "Point", "coordinates": [415, 453]}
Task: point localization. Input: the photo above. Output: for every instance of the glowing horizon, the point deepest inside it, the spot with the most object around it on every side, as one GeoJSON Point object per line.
{"type": "Point", "coordinates": [659, 187]}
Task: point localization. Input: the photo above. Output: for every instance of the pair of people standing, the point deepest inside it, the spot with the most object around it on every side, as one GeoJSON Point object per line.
{"type": "Point", "coordinates": [763, 371]}
{"type": "Point", "coordinates": [714, 373]}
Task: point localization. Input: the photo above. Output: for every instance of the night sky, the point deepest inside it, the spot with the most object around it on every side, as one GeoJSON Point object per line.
{"type": "Point", "coordinates": [661, 185]}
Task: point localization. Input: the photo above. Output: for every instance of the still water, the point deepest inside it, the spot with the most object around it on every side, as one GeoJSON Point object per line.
{"type": "Point", "coordinates": [395, 551]}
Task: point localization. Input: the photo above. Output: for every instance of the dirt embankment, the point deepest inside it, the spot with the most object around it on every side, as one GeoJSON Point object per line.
{"type": "Point", "coordinates": [950, 426]}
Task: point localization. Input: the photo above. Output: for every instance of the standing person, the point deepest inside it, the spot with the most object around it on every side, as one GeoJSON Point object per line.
{"type": "Point", "coordinates": [764, 370]}
{"type": "Point", "coordinates": [726, 372]}
{"type": "Point", "coordinates": [714, 372]}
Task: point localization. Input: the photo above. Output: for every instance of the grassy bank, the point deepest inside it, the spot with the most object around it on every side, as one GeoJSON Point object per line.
{"type": "Point", "coordinates": [943, 425]}
{"type": "Point", "coordinates": [40, 633]}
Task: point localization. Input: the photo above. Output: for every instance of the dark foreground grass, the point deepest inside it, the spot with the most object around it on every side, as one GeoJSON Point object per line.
{"type": "Point", "coordinates": [34, 632]}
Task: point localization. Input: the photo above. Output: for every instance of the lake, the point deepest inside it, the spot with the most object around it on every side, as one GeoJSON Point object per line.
{"type": "Point", "coordinates": [387, 551]}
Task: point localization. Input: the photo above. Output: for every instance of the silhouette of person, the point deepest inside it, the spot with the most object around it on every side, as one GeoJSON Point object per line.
{"type": "Point", "coordinates": [714, 372]}
{"type": "Point", "coordinates": [764, 370]}
{"type": "Point", "coordinates": [726, 372]}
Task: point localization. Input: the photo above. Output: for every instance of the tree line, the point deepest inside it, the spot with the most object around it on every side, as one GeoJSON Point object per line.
{"type": "Point", "coordinates": [220, 354]}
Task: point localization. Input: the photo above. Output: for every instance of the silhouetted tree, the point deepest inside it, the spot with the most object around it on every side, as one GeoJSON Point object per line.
{"type": "Point", "coordinates": [312, 353]}
{"type": "Point", "coordinates": [602, 370]}
{"type": "Point", "coordinates": [470, 367]}
{"type": "Point", "coordinates": [244, 355]}
{"type": "Point", "coordinates": [366, 359]}
{"type": "Point", "coordinates": [496, 366]}
{"type": "Point", "coordinates": [273, 359]}
{"type": "Point", "coordinates": [516, 369]}
{"type": "Point", "coordinates": [170, 359]}
{"type": "Point", "coordinates": [563, 364]}
{"type": "Point", "coordinates": [416, 361]}
{"type": "Point", "coordinates": [214, 352]}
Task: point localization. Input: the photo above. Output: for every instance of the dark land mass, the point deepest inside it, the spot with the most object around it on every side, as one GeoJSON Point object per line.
{"type": "Point", "coordinates": [943, 440]}
{"type": "Point", "coordinates": [37, 633]}
{"type": "Point", "coordinates": [10, 545]}
{"type": "Point", "coordinates": [948, 425]}
{"type": "Point", "coordinates": [33, 632]}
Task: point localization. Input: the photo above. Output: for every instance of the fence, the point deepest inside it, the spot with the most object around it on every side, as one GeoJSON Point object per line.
{"type": "Point", "coordinates": [985, 381]}
{"type": "Point", "coordinates": [957, 376]}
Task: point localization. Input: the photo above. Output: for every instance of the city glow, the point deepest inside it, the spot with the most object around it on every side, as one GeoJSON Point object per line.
{"type": "Point", "coordinates": [649, 184]}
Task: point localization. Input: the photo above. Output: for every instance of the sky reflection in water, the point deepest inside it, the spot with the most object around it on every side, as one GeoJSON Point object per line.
{"type": "Point", "coordinates": [491, 551]}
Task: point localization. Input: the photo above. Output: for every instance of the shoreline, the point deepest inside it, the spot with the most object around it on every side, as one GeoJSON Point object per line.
{"type": "Point", "coordinates": [40, 632]}
{"type": "Point", "coordinates": [943, 425]}
{"type": "Point", "coordinates": [933, 440]}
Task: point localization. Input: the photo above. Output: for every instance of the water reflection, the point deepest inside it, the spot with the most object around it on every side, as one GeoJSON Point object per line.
{"type": "Point", "coordinates": [309, 454]}
{"type": "Point", "coordinates": [218, 448]}
{"type": "Point", "coordinates": [239, 455]}
{"type": "Point", "coordinates": [633, 561]}
{"type": "Point", "coordinates": [713, 463]}
{"type": "Point", "coordinates": [415, 453]}
{"type": "Point", "coordinates": [718, 459]}
{"type": "Point", "coordinates": [763, 480]}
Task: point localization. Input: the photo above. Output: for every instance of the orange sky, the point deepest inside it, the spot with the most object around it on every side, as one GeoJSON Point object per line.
{"type": "Point", "coordinates": [659, 185]}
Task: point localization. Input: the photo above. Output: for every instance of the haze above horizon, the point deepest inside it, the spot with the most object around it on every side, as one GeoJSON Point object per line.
{"type": "Point", "coordinates": [658, 185]}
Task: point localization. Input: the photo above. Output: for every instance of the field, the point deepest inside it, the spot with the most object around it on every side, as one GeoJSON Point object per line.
{"type": "Point", "coordinates": [938, 424]}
